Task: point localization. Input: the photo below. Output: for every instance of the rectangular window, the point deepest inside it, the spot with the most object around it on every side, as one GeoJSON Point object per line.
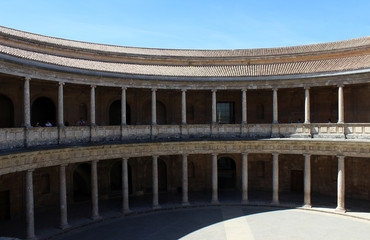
{"type": "Point", "coordinates": [225, 112]}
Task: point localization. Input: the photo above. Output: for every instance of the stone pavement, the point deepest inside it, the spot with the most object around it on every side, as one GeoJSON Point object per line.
{"type": "Point", "coordinates": [173, 222]}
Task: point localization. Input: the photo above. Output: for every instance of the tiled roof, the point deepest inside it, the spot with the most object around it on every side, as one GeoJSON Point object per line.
{"type": "Point", "coordinates": [309, 49]}
{"type": "Point", "coordinates": [246, 70]}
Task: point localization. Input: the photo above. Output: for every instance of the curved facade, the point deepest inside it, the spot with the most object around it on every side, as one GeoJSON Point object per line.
{"type": "Point", "coordinates": [134, 121]}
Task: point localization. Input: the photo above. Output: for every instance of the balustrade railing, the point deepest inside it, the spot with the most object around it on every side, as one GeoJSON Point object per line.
{"type": "Point", "coordinates": [41, 136]}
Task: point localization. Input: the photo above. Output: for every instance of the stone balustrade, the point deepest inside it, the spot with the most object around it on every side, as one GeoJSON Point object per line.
{"type": "Point", "coordinates": [41, 136]}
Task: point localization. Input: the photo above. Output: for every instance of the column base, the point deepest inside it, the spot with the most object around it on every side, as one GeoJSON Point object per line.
{"type": "Point", "coordinates": [215, 202]}
{"type": "Point", "coordinates": [340, 210]}
{"type": "Point", "coordinates": [245, 202]}
{"type": "Point", "coordinates": [96, 218]}
{"type": "Point", "coordinates": [126, 211]}
{"type": "Point", "coordinates": [307, 206]}
{"type": "Point", "coordinates": [275, 203]}
{"type": "Point", "coordinates": [185, 204]}
{"type": "Point", "coordinates": [156, 207]}
{"type": "Point", "coordinates": [64, 226]}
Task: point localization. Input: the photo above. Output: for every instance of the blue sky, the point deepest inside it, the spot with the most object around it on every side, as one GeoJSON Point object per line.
{"type": "Point", "coordinates": [191, 24]}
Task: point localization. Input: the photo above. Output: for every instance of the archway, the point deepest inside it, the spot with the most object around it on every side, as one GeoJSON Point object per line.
{"type": "Point", "coordinates": [162, 176]}
{"type": "Point", "coordinates": [115, 113]}
{"type": "Point", "coordinates": [116, 178]}
{"type": "Point", "coordinates": [43, 110]}
{"type": "Point", "coordinates": [82, 183]}
{"type": "Point", "coordinates": [226, 173]}
{"type": "Point", "coordinates": [7, 112]}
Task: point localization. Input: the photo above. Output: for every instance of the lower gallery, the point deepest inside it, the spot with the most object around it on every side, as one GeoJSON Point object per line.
{"type": "Point", "coordinates": [84, 123]}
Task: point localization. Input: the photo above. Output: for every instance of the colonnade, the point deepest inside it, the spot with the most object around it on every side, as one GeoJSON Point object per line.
{"type": "Point", "coordinates": [27, 109]}
{"type": "Point", "coordinates": [185, 201]}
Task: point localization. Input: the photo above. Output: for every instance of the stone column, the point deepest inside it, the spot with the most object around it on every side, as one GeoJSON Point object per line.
{"type": "Point", "coordinates": [307, 111]}
{"type": "Point", "coordinates": [244, 106]}
{"type": "Point", "coordinates": [125, 193]}
{"type": "Point", "coordinates": [60, 105]}
{"type": "Point", "coordinates": [123, 107]}
{"type": "Point", "coordinates": [340, 104]}
{"type": "Point", "coordinates": [214, 179]}
{"type": "Point", "coordinates": [154, 107]}
{"type": "Point", "coordinates": [183, 106]}
{"type": "Point", "coordinates": [185, 200]}
{"type": "Point", "coordinates": [92, 106]}
{"type": "Point", "coordinates": [307, 181]}
{"type": "Point", "coordinates": [94, 191]}
{"type": "Point", "coordinates": [26, 102]}
{"type": "Point", "coordinates": [214, 107]}
{"type": "Point", "coordinates": [275, 106]}
{"type": "Point", "coordinates": [30, 215]}
{"type": "Point", "coordinates": [245, 178]}
{"type": "Point", "coordinates": [155, 182]}
{"type": "Point", "coordinates": [63, 197]}
{"type": "Point", "coordinates": [275, 178]}
{"type": "Point", "coordinates": [341, 185]}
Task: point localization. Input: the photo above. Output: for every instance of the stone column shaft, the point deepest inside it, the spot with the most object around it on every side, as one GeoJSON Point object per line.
{"type": "Point", "coordinates": [183, 106]}
{"type": "Point", "coordinates": [341, 184]}
{"type": "Point", "coordinates": [214, 180]}
{"type": "Point", "coordinates": [155, 182]}
{"type": "Point", "coordinates": [60, 105]}
{"type": "Point", "coordinates": [185, 200]}
{"type": "Point", "coordinates": [30, 215]}
{"type": "Point", "coordinates": [244, 106]}
{"type": "Point", "coordinates": [154, 107]}
{"type": "Point", "coordinates": [307, 180]}
{"type": "Point", "coordinates": [94, 190]}
{"type": "Point", "coordinates": [63, 197]}
{"type": "Point", "coordinates": [275, 106]}
{"type": "Point", "coordinates": [275, 178]}
{"type": "Point", "coordinates": [123, 107]}
{"type": "Point", "coordinates": [245, 178]}
{"type": "Point", "coordinates": [307, 111]}
{"type": "Point", "coordinates": [92, 106]}
{"type": "Point", "coordinates": [214, 107]}
{"type": "Point", "coordinates": [125, 192]}
{"type": "Point", "coordinates": [340, 104]}
{"type": "Point", "coordinates": [26, 103]}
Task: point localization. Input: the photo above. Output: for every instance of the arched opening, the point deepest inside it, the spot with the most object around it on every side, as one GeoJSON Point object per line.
{"type": "Point", "coordinates": [43, 110]}
{"type": "Point", "coordinates": [82, 183]}
{"type": "Point", "coordinates": [115, 113]}
{"type": "Point", "coordinates": [7, 112]}
{"type": "Point", "coordinates": [226, 173]}
{"type": "Point", "coordinates": [116, 178]}
{"type": "Point", "coordinates": [162, 176]}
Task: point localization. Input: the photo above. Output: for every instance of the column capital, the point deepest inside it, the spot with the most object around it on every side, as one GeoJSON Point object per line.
{"type": "Point", "coordinates": [30, 170]}
{"type": "Point", "coordinates": [213, 90]}
{"type": "Point", "coordinates": [93, 86]}
{"type": "Point", "coordinates": [340, 85]}
{"type": "Point", "coordinates": [275, 89]}
{"type": "Point", "coordinates": [124, 88]}
{"type": "Point", "coordinates": [154, 89]}
{"type": "Point", "coordinates": [307, 154]}
{"type": "Point", "coordinates": [28, 78]}
{"type": "Point", "coordinates": [214, 154]}
{"type": "Point", "coordinates": [307, 87]}
{"type": "Point", "coordinates": [185, 154]}
{"type": "Point", "coordinates": [275, 154]}
{"type": "Point", "coordinates": [244, 153]}
{"type": "Point", "coordinates": [61, 83]}
{"type": "Point", "coordinates": [183, 89]}
{"type": "Point", "coordinates": [155, 156]}
{"type": "Point", "coordinates": [63, 165]}
{"type": "Point", "coordinates": [244, 89]}
{"type": "Point", "coordinates": [94, 161]}
{"type": "Point", "coordinates": [340, 156]}
{"type": "Point", "coordinates": [125, 158]}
